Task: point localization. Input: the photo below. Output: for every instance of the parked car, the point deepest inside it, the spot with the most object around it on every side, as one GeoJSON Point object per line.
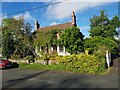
{"type": "Point", "coordinates": [4, 63]}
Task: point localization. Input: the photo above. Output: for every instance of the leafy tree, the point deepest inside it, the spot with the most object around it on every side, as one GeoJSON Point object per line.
{"type": "Point", "coordinates": [0, 40]}
{"type": "Point", "coordinates": [72, 39]}
{"type": "Point", "coordinates": [17, 34]}
{"type": "Point", "coordinates": [45, 39]}
{"type": "Point", "coordinates": [103, 32]}
{"type": "Point", "coordinates": [95, 43]}
{"type": "Point", "coordinates": [102, 26]}
{"type": "Point", "coordinates": [0, 37]}
{"type": "Point", "coordinates": [8, 44]}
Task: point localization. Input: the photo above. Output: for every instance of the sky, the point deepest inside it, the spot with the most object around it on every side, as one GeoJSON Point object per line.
{"type": "Point", "coordinates": [59, 13]}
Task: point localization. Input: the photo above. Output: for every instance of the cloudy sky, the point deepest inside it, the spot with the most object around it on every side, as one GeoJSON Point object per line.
{"type": "Point", "coordinates": [59, 13]}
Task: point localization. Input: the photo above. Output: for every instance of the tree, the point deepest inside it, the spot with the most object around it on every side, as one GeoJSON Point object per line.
{"type": "Point", "coordinates": [45, 39]}
{"type": "Point", "coordinates": [8, 44]}
{"type": "Point", "coordinates": [95, 43]}
{"type": "Point", "coordinates": [0, 37]}
{"type": "Point", "coordinates": [103, 32]}
{"type": "Point", "coordinates": [16, 34]}
{"type": "Point", "coordinates": [72, 40]}
{"type": "Point", "coordinates": [102, 26]}
{"type": "Point", "coordinates": [0, 40]}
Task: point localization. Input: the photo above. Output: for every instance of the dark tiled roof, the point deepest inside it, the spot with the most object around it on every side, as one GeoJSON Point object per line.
{"type": "Point", "coordinates": [58, 26]}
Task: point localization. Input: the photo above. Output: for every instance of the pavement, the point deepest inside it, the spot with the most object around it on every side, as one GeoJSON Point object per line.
{"type": "Point", "coordinates": [27, 78]}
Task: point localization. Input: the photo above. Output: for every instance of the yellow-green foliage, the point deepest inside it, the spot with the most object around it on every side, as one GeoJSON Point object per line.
{"type": "Point", "coordinates": [0, 50]}
{"type": "Point", "coordinates": [83, 63]}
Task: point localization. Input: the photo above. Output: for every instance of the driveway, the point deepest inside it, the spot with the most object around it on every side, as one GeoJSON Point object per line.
{"type": "Point", "coordinates": [27, 78]}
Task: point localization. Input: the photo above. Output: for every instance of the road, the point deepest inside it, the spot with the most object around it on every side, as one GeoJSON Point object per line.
{"type": "Point", "coordinates": [27, 78]}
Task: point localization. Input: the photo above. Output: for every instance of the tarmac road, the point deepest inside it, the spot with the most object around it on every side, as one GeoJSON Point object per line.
{"type": "Point", "coordinates": [27, 78]}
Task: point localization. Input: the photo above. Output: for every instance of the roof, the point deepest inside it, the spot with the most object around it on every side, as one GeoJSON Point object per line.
{"type": "Point", "coordinates": [58, 26]}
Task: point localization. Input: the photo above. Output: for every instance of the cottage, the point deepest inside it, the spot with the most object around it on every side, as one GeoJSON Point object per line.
{"type": "Point", "coordinates": [59, 49]}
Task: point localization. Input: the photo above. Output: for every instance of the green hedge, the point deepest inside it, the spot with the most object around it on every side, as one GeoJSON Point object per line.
{"type": "Point", "coordinates": [29, 57]}
{"type": "Point", "coordinates": [83, 63]}
{"type": "Point", "coordinates": [0, 50]}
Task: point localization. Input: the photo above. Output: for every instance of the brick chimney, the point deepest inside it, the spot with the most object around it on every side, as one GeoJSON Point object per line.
{"type": "Point", "coordinates": [74, 18]}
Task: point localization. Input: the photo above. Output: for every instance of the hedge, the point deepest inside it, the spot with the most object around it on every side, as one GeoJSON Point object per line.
{"type": "Point", "coordinates": [83, 63]}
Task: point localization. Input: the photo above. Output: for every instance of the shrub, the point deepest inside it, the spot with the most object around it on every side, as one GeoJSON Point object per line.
{"type": "Point", "coordinates": [15, 56]}
{"type": "Point", "coordinates": [0, 50]}
{"type": "Point", "coordinates": [84, 63]}
{"type": "Point", "coordinates": [101, 52]}
{"type": "Point", "coordinates": [29, 57]}
{"type": "Point", "coordinates": [95, 43]}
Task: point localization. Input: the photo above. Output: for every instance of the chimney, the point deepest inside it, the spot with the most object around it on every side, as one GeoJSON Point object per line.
{"type": "Point", "coordinates": [74, 18]}
{"type": "Point", "coordinates": [37, 25]}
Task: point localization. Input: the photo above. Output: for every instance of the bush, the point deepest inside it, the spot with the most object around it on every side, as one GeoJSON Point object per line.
{"type": "Point", "coordinates": [77, 63]}
{"type": "Point", "coordinates": [101, 52]}
{"type": "Point", "coordinates": [30, 58]}
{"type": "Point", "coordinates": [84, 63]}
{"type": "Point", "coordinates": [47, 57]}
{"type": "Point", "coordinates": [0, 50]}
{"type": "Point", "coordinates": [95, 43]}
{"type": "Point", "coordinates": [15, 56]}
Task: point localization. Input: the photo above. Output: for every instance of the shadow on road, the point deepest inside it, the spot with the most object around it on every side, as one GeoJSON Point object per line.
{"type": "Point", "coordinates": [13, 82]}
{"type": "Point", "coordinates": [71, 81]}
{"type": "Point", "coordinates": [15, 65]}
{"type": "Point", "coordinates": [74, 82]}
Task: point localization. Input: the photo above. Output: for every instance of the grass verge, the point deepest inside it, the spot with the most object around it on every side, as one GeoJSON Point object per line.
{"type": "Point", "coordinates": [54, 67]}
